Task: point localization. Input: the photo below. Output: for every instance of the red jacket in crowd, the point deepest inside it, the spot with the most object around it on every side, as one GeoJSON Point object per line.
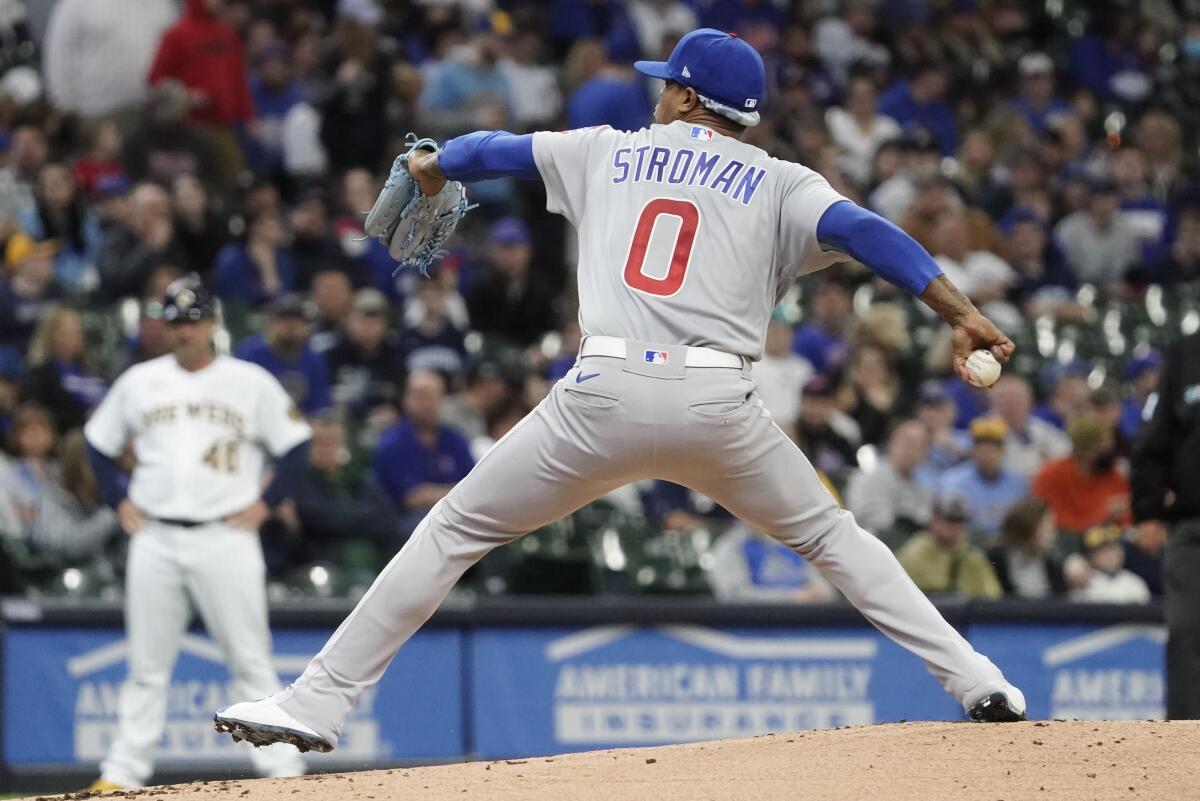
{"type": "Point", "coordinates": [204, 54]}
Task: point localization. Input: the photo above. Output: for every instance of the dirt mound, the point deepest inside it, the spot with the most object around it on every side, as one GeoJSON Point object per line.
{"type": "Point", "coordinates": [1045, 761]}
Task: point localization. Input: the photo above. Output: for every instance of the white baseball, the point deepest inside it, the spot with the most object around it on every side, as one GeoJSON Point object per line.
{"type": "Point", "coordinates": [983, 368]}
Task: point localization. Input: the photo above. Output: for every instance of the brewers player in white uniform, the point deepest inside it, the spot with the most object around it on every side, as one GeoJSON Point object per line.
{"type": "Point", "coordinates": [687, 239]}
{"type": "Point", "coordinates": [199, 424]}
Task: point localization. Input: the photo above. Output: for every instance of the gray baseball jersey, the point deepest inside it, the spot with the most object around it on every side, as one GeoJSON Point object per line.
{"type": "Point", "coordinates": [685, 236]}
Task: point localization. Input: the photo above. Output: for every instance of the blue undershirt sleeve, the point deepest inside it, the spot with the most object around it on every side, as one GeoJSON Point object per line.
{"type": "Point", "coordinates": [287, 473]}
{"type": "Point", "coordinates": [111, 481]}
{"type": "Point", "coordinates": [489, 154]}
{"type": "Point", "coordinates": [879, 244]}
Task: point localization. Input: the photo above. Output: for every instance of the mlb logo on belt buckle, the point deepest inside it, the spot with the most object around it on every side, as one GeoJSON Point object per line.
{"type": "Point", "coordinates": [700, 132]}
{"type": "Point", "coordinates": [656, 357]}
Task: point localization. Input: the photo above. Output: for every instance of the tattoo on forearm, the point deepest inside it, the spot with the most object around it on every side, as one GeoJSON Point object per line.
{"type": "Point", "coordinates": [945, 298]}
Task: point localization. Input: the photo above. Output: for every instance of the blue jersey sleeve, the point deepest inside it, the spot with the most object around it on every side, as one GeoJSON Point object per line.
{"type": "Point", "coordinates": [489, 154]}
{"type": "Point", "coordinates": [879, 244]}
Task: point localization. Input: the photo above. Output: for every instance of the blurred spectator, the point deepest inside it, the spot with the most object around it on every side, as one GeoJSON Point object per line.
{"type": "Point", "coordinates": [502, 418]}
{"type": "Point", "coordinates": [1067, 393]}
{"type": "Point", "coordinates": [70, 524]}
{"type": "Point", "coordinates": [846, 39]}
{"type": "Point", "coordinates": [164, 145]}
{"type": "Point", "coordinates": [1085, 488]}
{"type": "Point", "coordinates": [657, 21]}
{"type": "Point", "coordinates": [609, 92]}
{"type": "Point", "coordinates": [918, 101]}
{"type": "Point", "coordinates": [535, 96]}
{"type": "Point", "coordinates": [314, 247]}
{"type": "Point", "coordinates": [1109, 582]}
{"type": "Point", "coordinates": [828, 437]}
{"type": "Point", "coordinates": [258, 269]}
{"type": "Point", "coordinates": [485, 392]}
{"type": "Point", "coordinates": [338, 507]}
{"type": "Point", "coordinates": [1181, 262]}
{"type": "Point", "coordinates": [871, 391]}
{"type": "Point", "coordinates": [466, 90]}
{"type": "Point", "coordinates": [981, 275]}
{"type": "Point", "coordinates": [859, 129]}
{"type": "Point", "coordinates": [97, 52]}
{"type": "Point", "coordinates": [1141, 380]}
{"type": "Point", "coordinates": [1022, 557]}
{"type": "Point", "coordinates": [134, 247]}
{"type": "Point", "coordinates": [433, 341]}
{"type": "Point", "coordinates": [781, 375]}
{"type": "Point", "coordinates": [333, 298]}
{"type": "Point", "coordinates": [751, 566]}
{"type": "Point", "coordinates": [1099, 243]}
{"type": "Point", "coordinates": [353, 101]}
{"type": "Point", "coordinates": [934, 200]}
{"type": "Point", "coordinates": [198, 229]}
{"type": "Point", "coordinates": [59, 379]}
{"type": "Point", "coordinates": [506, 302]}
{"type": "Point", "coordinates": [947, 445]}
{"type": "Point", "coordinates": [1030, 441]}
{"type": "Point", "coordinates": [32, 442]}
{"type": "Point", "coordinates": [886, 498]}
{"type": "Point", "coordinates": [29, 291]}
{"type": "Point", "coordinates": [1036, 99]}
{"type": "Point", "coordinates": [1105, 60]}
{"type": "Point", "coordinates": [27, 154]}
{"type": "Point", "coordinates": [939, 559]}
{"type": "Point", "coordinates": [274, 93]}
{"type": "Point", "coordinates": [285, 353]}
{"type": "Point", "coordinates": [420, 459]}
{"type": "Point", "coordinates": [987, 486]}
{"type": "Point", "coordinates": [1160, 138]}
{"type": "Point", "coordinates": [823, 337]}
{"type": "Point", "coordinates": [102, 159]}
{"type": "Point", "coordinates": [369, 261]}
{"type": "Point", "coordinates": [61, 215]}
{"type": "Point", "coordinates": [1042, 283]}
{"type": "Point", "coordinates": [366, 364]}
{"type": "Point", "coordinates": [204, 54]}
{"type": "Point", "coordinates": [1146, 214]}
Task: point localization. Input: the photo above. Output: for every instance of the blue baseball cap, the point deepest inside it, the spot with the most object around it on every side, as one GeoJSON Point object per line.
{"type": "Point", "coordinates": [720, 67]}
{"type": "Point", "coordinates": [509, 231]}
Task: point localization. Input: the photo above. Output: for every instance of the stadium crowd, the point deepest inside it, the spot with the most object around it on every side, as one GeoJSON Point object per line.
{"type": "Point", "coordinates": [1043, 152]}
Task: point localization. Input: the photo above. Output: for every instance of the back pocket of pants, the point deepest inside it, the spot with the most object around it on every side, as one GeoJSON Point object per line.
{"type": "Point", "coordinates": [590, 398]}
{"type": "Point", "coordinates": [720, 409]}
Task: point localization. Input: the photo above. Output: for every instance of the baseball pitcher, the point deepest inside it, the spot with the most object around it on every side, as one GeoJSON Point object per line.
{"type": "Point", "coordinates": [687, 239]}
{"type": "Point", "coordinates": [199, 424]}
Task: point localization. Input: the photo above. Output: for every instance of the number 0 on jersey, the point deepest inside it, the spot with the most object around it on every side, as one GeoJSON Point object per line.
{"type": "Point", "coordinates": [681, 254]}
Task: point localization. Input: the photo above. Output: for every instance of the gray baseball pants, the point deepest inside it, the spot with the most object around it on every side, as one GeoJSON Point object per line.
{"type": "Point", "coordinates": [704, 428]}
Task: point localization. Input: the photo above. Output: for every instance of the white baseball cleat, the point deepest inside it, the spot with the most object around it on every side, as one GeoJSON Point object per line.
{"type": "Point", "coordinates": [262, 723]}
{"type": "Point", "coordinates": [1004, 705]}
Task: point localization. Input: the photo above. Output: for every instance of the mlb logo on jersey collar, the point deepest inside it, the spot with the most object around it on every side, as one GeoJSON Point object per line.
{"type": "Point", "coordinates": [702, 133]}
{"type": "Point", "coordinates": [656, 357]}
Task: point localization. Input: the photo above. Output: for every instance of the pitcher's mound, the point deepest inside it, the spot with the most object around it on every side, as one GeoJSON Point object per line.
{"type": "Point", "coordinates": [1040, 761]}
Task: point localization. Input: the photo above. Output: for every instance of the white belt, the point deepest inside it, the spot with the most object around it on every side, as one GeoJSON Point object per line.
{"type": "Point", "coordinates": [614, 347]}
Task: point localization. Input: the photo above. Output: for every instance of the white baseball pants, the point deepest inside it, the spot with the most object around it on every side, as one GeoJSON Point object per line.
{"type": "Point", "coordinates": [218, 571]}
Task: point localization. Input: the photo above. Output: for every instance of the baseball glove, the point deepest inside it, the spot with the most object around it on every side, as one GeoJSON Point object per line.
{"type": "Point", "coordinates": [414, 226]}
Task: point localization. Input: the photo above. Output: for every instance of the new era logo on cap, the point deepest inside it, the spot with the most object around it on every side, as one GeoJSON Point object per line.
{"type": "Point", "coordinates": [686, 73]}
{"type": "Point", "coordinates": [702, 133]}
{"type": "Point", "coordinates": [656, 357]}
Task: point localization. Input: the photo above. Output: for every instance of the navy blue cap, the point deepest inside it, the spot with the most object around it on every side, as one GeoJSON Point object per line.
{"type": "Point", "coordinates": [509, 231]}
{"type": "Point", "coordinates": [718, 66]}
{"type": "Point", "coordinates": [1150, 360]}
{"type": "Point", "coordinates": [1016, 216]}
{"type": "Point", "coordinates": [187, 301]}
{"type": "Point", "coordinates": [933, 391]}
